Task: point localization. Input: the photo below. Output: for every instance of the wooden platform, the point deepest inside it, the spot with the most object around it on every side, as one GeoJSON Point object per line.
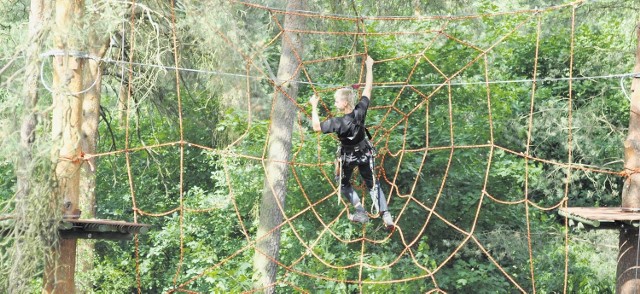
{"type": "Point", "coordinates": [100, 229]}
{"type": "Point", "coordinates": [602, 217]}
{"type": "Point", "coordinates": [71, 228]}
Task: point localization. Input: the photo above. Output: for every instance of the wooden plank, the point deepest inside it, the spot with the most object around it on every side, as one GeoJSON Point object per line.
{"type": "Point", "coordinates": [100, 225]}
{"type": "Point", "coordinates": [89, 228]}
{"type": "Point", "coordinates": [95, 235]}
{"type": "Point", "coordinates": [603, 214]}
{"type": "Point", "coordinates": [104, 222]}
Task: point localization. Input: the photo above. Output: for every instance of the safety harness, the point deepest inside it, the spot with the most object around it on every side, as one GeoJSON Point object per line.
{"type": "Point", "coordinates": [363, 146]}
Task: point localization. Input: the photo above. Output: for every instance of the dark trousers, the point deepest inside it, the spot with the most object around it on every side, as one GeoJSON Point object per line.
{"type": "Point", "coordinates": [364, 162]}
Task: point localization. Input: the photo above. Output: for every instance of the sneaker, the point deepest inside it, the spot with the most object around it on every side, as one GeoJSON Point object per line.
{"type": "Point", "coordinates": [359, 217]}
{"type": "Point", "coordinates": [388, 220]}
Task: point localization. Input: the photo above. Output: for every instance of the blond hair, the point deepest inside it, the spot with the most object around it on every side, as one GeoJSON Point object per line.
{"type": "Point", "coordinates": [347, 95]}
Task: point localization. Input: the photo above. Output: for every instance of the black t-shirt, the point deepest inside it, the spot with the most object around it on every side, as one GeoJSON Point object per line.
{"type": "Point", "coordinates": [350, 127]}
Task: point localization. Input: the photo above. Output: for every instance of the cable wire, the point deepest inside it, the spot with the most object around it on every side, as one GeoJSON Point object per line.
{"type": "Point", "coordinates": [222, 73]}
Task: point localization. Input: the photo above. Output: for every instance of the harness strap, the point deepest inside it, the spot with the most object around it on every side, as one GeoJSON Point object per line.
{"type": "Point", "coordinates": [361, 131]}
{"type": "Point", "coordinates": [367, 132]}
{"type": "Point", "coordinates": [375, 199]}
{"type": "Point", "coordinates": [363, 145]}
{"type": "Point", "coordinates": [339, 178]}
{"type": "Point", "coordinates": [338, 171]}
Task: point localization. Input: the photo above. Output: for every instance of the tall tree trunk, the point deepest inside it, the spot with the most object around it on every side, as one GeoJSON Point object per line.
{"type": "Point", "coordinates": [21, 270]}
{"type": "Point", "coordinates": [90, 118]}
{"type": "Point", "coordinates": [66, 129]}
{"type": "Point", "coordinates": [279, 153]}
{"type": "Point", "coordinates": [628, 270]}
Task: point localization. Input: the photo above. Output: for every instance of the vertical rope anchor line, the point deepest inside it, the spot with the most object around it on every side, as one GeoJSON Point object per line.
{"type": "Point", "coordinates": [526, 160]}
{"type": "Point", "coordinates": [174, 36]}
{"type": "Point", "coordinates": [127, 142]}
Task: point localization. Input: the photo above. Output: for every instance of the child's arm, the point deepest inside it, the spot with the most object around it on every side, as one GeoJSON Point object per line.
{"type": "Point", "coordinates": [368, 78]}
{"type": "Point", "coordinates": [315, 120]}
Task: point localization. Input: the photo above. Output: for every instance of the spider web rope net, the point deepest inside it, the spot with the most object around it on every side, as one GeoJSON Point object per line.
{"type": "Point", "coordinates": [429, 124]}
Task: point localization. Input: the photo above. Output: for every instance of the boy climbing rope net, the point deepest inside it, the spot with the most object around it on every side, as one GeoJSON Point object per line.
{"type": "Point", "coordinates": [355, 148]}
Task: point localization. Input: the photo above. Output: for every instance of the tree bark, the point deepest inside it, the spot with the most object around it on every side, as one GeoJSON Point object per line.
{"type": "Point", "coordinates": [20, 272]}
{"type": "Point", "coordinates": [279, 153]}
{"type": "Point", "coordinates": [66, 129]}
{"type": "Point", "coordinates": [90, 118]}
{"type": "Point", "coordinates": [628, 269]}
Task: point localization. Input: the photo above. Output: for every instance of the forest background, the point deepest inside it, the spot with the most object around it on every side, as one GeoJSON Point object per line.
{"type": "Point", "coordinates": [203, 199]}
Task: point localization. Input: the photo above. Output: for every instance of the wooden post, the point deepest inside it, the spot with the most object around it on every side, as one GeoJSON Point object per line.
{"type": "Point", "coordinates": [66, 129]}
{"type": "Point", "coordinates": [628, 269]}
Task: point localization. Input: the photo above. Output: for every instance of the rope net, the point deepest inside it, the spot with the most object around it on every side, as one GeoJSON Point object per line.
{"type": "Point", "coordinates": [461, 146]}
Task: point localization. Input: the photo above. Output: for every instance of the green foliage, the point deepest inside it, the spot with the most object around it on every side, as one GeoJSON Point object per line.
{"type": "Point", "coordinates": [457, 162]}
{"type": "Point", "coordinates": [583, 277]}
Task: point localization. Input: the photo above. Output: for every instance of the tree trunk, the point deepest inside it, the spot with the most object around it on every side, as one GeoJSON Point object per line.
{"type": "Point", "coordinates": [90, 119]}
{"type": "Point", "coordinates": [628, 270]}
{"type": "Point", "coordinates": [279, 153]}
{"type": "Point", "coordinates": [123, 96]}
{"type": "Point", "coordinates": [21, 273]}
{"type": "Point", "coordinates": [66, 129]}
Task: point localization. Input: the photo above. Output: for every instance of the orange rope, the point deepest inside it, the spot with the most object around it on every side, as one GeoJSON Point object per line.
{"type": "Point", "coordinates": [526, 160]}
{"type": "Point", "coordinates": [395, 122]}
{"type": "Point", "coordinates": [180, 208]}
